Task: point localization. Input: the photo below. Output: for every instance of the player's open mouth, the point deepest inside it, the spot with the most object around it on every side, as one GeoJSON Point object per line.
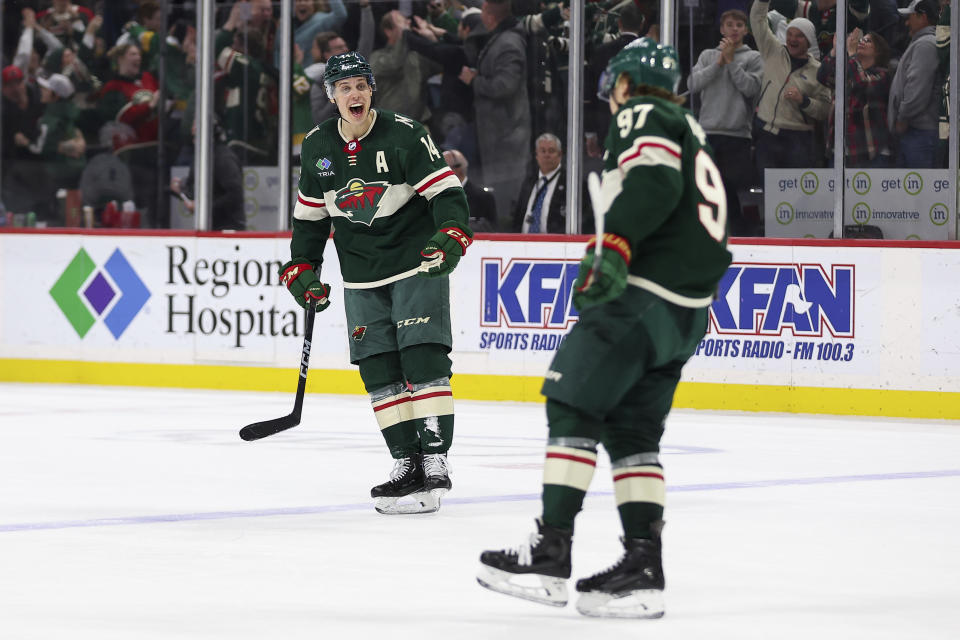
{"type": "Point", "coordinates": [356, 110]}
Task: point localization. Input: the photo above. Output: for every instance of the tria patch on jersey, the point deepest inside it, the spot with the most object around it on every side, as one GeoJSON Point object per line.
{"type": "Point", "coordinates": [358, 332]}
{"type": "Point", "coordinates": [324, 164]}
{"type": "Point", "coordinates": [360, 200]}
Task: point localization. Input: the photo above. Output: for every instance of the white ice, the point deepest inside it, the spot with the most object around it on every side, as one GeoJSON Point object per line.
{"type": "Point", "coordinates": [139, 514]}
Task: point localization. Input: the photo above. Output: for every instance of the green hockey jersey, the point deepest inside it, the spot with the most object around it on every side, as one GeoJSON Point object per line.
{"type": "Point", "coordinates": [385, 194]}
{"type": "Point", "coordinates": [662, 191]}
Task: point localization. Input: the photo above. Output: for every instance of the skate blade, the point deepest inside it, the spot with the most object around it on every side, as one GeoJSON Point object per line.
{"type": "Point", "coordinates": [551, 591]}
{"type": "Point", "coordinates": [420, 502]}
{"type": "Point", "coordinates": [642, 603]}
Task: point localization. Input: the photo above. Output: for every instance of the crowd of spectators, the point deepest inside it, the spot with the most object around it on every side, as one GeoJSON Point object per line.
{"type": "Point", "coordinates": [98, 96]}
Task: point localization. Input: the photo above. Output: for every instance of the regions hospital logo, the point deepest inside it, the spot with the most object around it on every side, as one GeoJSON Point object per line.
{"type": "Point", "coordinates": [83, 292]}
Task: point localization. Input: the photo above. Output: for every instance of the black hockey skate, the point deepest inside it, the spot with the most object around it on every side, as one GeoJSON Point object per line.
{"type": "Point", "coordinates": [632, 588]}
{"type": "Point", "coordinates": [537, 570]}
{"type": "Point", "coordinates": [406, 479]}
{"type": "Point", "coordinates": [436, 474]}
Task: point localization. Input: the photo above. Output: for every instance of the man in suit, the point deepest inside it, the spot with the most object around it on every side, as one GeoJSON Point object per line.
{"type": "Point", "coordinates": [483, 207]}
{"type": "Point", "coordinates": [541, 205]}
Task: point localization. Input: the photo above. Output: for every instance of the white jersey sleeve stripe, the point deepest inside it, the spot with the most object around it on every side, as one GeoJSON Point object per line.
{"type": "Point", "coordinates": [308, 208]}
{"type": "Point", "coordinates": [436, 182]}
{"type": "Point", "coordinates": [309, 201]}
{"type": "Point", "coordinates": [650, 151]}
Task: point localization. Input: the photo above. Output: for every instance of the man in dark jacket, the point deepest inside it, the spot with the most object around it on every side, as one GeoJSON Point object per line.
{"type": "Point", "coordinates": [227, 205]}
{"type": "Point", "coordinates": [596, 115]}
{"type": "Point", "coordinates": [499, 84]}
{"type": "Point", "coordinates": [541, 205]}
{"type": "Point", "coordinates": [24, 178]}
{"type": "Point", "coordinates": [453, 113]}
{"type": "Point", "coordinates": [483, 208]}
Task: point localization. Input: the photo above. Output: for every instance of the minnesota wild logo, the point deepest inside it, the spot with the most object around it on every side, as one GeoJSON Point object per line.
{"type": "Point", "coordinates": [360, 200]}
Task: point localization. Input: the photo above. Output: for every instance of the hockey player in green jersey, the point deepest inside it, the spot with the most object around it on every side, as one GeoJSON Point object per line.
{"type": "Point", "coordinates": [644, 301]}
{"type": "Point", "coordinates": [400, 220]}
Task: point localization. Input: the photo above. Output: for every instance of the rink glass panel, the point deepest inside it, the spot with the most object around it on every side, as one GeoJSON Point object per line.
{"type": "Point", "coordinates": [892, 202]}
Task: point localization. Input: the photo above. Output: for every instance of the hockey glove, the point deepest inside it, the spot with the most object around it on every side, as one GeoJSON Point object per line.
{"type": "Point", "coordinates": [298, 277]}
{"type": "Point", "coordinates": [599, 283]}
{"type": "Point", "coordinates": [444, 250]}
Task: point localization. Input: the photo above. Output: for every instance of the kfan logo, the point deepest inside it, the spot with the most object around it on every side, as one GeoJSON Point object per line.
{"type": "Point", "coordinates": [83, 292]}
{"type": "Point", "coordinates": [528, 293]}
{"type": "Point", "coordinates": [769, 299]}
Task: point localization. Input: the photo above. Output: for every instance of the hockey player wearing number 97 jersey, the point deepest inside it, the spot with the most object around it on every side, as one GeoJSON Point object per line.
{"type": "Point", "coordinates": [399, 217]}
{"type": "Point", "coordinates": [643, 303]}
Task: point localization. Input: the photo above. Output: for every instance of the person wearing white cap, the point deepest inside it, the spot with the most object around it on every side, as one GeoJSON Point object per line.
{"type": "Point", "coordinates": [791, 99]}
{"type": "Point", "coordinates": [913, 108]}
{"type": "Point", "coordinates": [58, 84]}
{"type": "Point", "coordinates": [58, 143]}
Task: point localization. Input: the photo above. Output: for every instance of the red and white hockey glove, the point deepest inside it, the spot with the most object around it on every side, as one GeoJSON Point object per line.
{"type": "Point", "coordinates": [444, 250]}
{"type": "Point", "coordinates": [300, 280]}
{"type": "Point", "coordinates": [601, 282]}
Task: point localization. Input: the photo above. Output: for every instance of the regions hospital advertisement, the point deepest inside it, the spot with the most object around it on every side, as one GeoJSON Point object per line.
{"type": "Point", "coordinates": [208, 310]}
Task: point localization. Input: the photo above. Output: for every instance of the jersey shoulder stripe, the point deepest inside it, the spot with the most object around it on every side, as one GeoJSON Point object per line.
{"type": "Point", "coordinates": [227, 57]}
{"type": "Point", "coordinates": [438, 181]}
{"type": "Point", "coordinates": [308, 208]}
{"type": "Point", "coordinates": [651, 151]}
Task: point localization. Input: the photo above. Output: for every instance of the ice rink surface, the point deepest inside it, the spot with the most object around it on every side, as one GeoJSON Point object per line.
{"type": "Point", "coordinates": [139, 514]}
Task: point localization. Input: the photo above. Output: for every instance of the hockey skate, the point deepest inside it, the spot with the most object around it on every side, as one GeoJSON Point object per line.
{"type": "Point", "coordinates": [436, 474]}
{"type": "Point", "coordinates": [404, 492]}
{"type": "Point", "coordinates": [537, 570]}
{"type": "Point", "coordinates": [632, 588]}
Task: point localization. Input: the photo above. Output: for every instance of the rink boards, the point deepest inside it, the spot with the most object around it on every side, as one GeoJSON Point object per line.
{"type": "Point", "coordinates": [798, 325]}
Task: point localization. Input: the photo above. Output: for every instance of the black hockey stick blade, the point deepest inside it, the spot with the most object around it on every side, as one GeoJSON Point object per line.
{"type": "Point", "coordinates": [266, 428]}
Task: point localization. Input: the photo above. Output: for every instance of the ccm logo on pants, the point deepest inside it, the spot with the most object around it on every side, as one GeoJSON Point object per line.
{"type": "Point", "coordinates": [411, 321]}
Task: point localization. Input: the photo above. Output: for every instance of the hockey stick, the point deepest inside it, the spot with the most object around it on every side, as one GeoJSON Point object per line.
{"type": "Point", "coordinates": [599, 211]}
{"type": "Point", "coordinates": [266, 428]}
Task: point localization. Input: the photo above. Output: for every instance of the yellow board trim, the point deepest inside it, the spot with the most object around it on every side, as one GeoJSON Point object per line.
{"type": "Point", "coordinates": [690, 395]}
